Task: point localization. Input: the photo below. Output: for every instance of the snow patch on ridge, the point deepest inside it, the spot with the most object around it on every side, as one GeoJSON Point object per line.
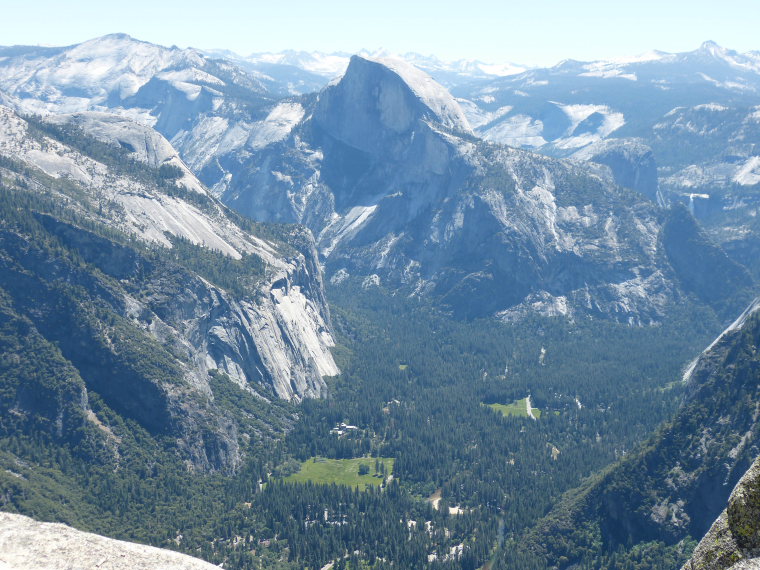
{"type": "Point", "coordinates": [607, 70]}
{"type": "Point", "coordinates": [518, 130]}
{"type": "Point", "coordinates": [276, 126]}
{"type": "Point", "coordinates": [612, 121]}
{"type": "Point", "coordinates": [717, 174]}
{"type": "Point", "coordinates": [477, 117]}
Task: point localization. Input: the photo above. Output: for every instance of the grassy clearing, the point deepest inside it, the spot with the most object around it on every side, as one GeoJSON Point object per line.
{"type": "Point", "coordinates": [517, 408]}
{"type": "Point", "coordinates": [343, 471]}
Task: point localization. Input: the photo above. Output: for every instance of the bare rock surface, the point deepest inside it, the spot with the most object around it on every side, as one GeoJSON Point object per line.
{"type": "Point", "coordinates": [733, 542]}
{"type": "Point", "coordinates": [29, 544]}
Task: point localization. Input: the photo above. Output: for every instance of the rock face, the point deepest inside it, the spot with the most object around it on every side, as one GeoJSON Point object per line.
{"type": "Point", "coordinates": [26, 544]}
{"type": "Point", "coordinates": [143, 143]}
{"type": "Point", "coordinates": [189, 213]}
{"type": "Point", "coordinates": [279, 338]}
{"type": "Point", "coordinates": [733, 542]}
{"type": "Point", "coordinates": [388, 97]}
{"type": "Point", "coordinates": [170, 287]}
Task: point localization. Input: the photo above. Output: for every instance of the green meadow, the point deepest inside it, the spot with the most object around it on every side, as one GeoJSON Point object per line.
{"type": "Point", "coordinates": [517, 408]}
{"type": "Point", "coordinates": [343, 471]}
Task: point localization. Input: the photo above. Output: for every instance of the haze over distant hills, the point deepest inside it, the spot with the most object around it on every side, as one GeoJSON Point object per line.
{"type": "Point", "coordinates": [315, 67]}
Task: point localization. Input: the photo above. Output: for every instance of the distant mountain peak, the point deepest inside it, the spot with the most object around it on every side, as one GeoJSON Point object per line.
{"type": "Point", "coordinates": [710, 45]}
{"type": "Point", "coordinates": [116, 39]}
{"type": "Point", "coordinates": [647, 56]}
{"type": "Point", "coordinates": [379, 100]}
{"type": "Point", "coordinates": [118, 36]}
{"type": "Point", "coordinates": [712, 49]}
{"type": "Point", "coordinates": [567, 63]}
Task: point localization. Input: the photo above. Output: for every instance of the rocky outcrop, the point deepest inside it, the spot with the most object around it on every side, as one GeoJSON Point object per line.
{"type": "Point", "coordinates": [26, 544]}
{"type": "Point", "coordinates": [631, 162]}
{"type": "Point", "coordinates": [733, 542]}
{"type": "Point", "coordinates": [141, 142]}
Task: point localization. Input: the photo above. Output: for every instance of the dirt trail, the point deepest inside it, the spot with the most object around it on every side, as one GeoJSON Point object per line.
{"type": "Point", "coordinates": [529, 408]}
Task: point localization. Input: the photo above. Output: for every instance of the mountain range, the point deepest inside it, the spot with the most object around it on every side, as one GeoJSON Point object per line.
{"type": "Point", "coordinates": [172, 220]}
{"type": "Point", "coordinates": [694, 141]}
{"type": "Point", "coordinates": [697, 131]}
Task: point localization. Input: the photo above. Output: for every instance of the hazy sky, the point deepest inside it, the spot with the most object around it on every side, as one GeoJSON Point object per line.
{"type": "Point", "coordinates": [529, 31]}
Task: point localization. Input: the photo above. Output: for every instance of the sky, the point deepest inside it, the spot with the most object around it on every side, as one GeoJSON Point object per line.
{"type": "Point", "coordinates": [532, 32]}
